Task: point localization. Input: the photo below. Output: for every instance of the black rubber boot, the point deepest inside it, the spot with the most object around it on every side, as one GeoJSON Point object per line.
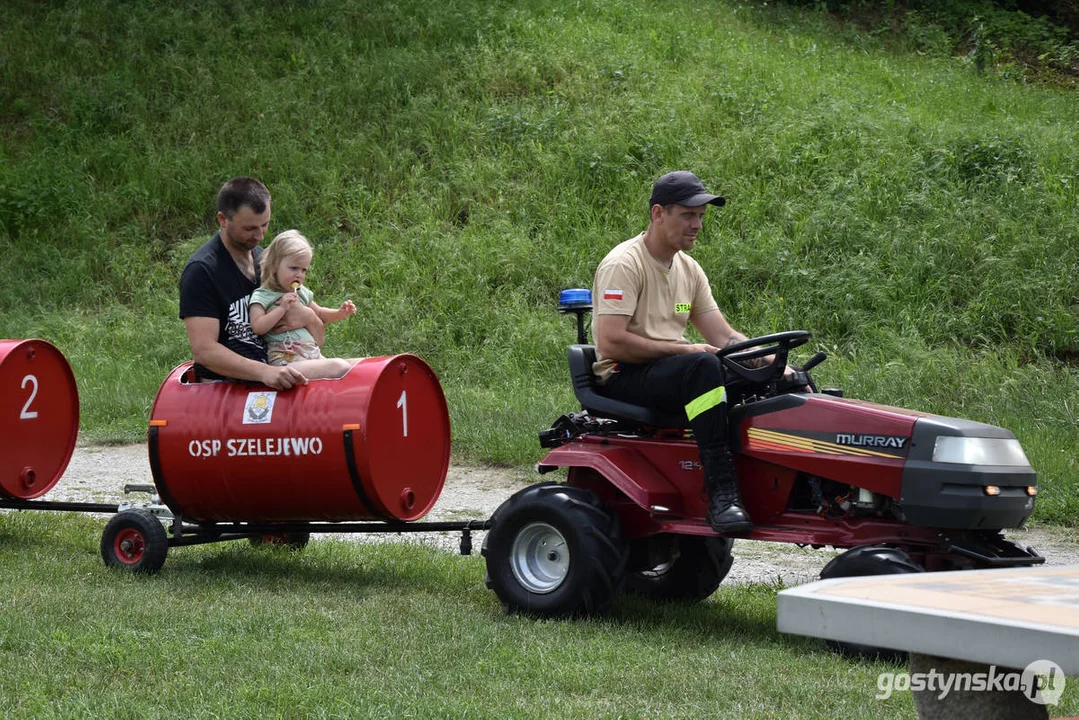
{"type": "Point", "coordinates": [725, 511]}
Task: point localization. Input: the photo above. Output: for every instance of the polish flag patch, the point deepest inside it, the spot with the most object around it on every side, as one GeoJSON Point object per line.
{"type": "Point", "coordinates": [612, 294]}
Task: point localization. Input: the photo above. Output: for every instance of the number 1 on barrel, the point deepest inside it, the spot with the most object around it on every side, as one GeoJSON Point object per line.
{"type": "Point", "coordinates": [403, 404]}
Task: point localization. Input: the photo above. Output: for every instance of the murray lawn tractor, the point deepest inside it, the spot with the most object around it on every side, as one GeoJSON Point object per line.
{"type": "Point", "coordinates": [900, 491]}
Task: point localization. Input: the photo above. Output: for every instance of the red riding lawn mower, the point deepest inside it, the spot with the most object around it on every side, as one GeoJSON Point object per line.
{"type": "Point", "coordinates": [903, 491]}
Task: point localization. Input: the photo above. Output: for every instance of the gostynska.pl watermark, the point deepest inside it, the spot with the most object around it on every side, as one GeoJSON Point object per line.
{"type": "Point", "coordinates": [1042, 682]}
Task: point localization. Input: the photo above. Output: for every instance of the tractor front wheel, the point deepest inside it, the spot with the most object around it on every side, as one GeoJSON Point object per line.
{"type": "Point", "coordinates": [135, 540]}
{"type": "Point", "coordinates": [860, 562]}
{"type": "Point", "coordinates": [695, 569]}
{"type": "Point", "coordinates": [555, 550]}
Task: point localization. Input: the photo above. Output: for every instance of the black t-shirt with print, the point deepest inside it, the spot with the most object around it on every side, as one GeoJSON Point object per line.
{"type": "Point", "coordinates": [213, 286]}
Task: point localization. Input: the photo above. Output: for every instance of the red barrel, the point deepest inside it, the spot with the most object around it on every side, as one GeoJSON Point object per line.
{"type": "Point", "coordinates": [374, 444]}
{"type": "Point", "coordinates": [39, 407]}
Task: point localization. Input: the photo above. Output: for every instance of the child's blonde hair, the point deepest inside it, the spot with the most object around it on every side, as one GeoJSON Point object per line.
{"type": "Point", "coordinates": [287, 244]}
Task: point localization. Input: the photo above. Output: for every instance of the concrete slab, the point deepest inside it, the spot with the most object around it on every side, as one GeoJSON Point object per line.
{"type": "Point", "coordinates": [1006, 617]}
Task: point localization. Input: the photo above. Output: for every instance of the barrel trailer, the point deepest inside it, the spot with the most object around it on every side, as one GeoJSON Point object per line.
{"type": "Point", "coordinates": [899, 491]}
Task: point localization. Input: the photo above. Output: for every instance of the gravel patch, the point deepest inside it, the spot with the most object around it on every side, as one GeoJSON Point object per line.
{"type": "Point", "coordinates": [99, 473]}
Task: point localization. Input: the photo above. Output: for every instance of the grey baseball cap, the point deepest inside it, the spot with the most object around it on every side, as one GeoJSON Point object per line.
{"type": "Point", "coordinates": [682, 187]}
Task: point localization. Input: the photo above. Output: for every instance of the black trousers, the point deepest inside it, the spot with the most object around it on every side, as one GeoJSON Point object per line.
{"type": "Point", "coordinates": [691, 383]}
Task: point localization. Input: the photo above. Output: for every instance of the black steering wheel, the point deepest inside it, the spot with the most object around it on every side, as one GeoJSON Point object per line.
{"type": "Point", "coordinates": [777, 344]}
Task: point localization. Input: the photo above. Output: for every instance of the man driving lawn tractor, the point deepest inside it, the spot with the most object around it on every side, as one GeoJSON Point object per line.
{"type": "Point", "coordinates": [646, 290]}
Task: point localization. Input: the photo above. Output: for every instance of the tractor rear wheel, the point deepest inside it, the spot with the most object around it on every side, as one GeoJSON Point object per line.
{"type": "Point", "coordinates": [555, 550]}
{"type": "Point", "coordinates": [135, 540]}
{"type": "Point", "coordinates": [860, 562]}
{"type": "Point", "coordinates": [696, 568]}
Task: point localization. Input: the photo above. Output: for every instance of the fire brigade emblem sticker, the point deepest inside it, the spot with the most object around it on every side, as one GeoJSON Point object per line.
{"type": "Point", "coordinates": [258, 410]}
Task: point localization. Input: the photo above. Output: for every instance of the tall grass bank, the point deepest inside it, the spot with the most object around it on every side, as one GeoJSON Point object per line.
{"type": "Point", "coordinates": [457, 163]}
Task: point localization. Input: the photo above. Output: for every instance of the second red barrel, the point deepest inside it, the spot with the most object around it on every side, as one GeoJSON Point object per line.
{"type": "Point", "coordinates": [374, 444]}
{"type": "Point", "coordinates": [39, 417]}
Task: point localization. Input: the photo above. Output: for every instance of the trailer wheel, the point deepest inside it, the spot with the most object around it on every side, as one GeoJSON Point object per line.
{"type": "Point", "coordinates": [294, 541]}
{"type": "Point", "coordinates": [135, 540]}
{"type": "Point", "coordinates": [554, 550]}
{"type": "Point", "coordinates": [692, 575]}
{"type": "Point", "coordinates": [860, 562]}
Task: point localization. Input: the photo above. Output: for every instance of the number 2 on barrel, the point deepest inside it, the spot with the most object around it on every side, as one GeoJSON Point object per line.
{"type": "Point", "coordinates": [27, 413]}
{"type": "Point", "coordinates": [402, 403]}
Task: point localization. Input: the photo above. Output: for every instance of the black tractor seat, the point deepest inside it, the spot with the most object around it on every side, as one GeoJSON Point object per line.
{"type": "Point", "coordinates": [590, 393]}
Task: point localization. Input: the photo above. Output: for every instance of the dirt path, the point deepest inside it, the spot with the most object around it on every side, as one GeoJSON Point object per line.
{"type": "Point", "coordinates": [98, 474]}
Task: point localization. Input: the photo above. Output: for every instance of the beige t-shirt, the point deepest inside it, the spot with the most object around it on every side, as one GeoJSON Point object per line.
{"type": "Point", "coordinates": [659, 301]}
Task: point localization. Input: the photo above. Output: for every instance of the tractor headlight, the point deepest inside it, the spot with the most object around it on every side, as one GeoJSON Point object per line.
{"type": "Point", "coordinates": [979, 451]}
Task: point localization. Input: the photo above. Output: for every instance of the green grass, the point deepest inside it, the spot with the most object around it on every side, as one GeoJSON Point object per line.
{"type": "Point", "coordinates": [387, 630]}
{"type": "Point", "coordinates": [456, 164]}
